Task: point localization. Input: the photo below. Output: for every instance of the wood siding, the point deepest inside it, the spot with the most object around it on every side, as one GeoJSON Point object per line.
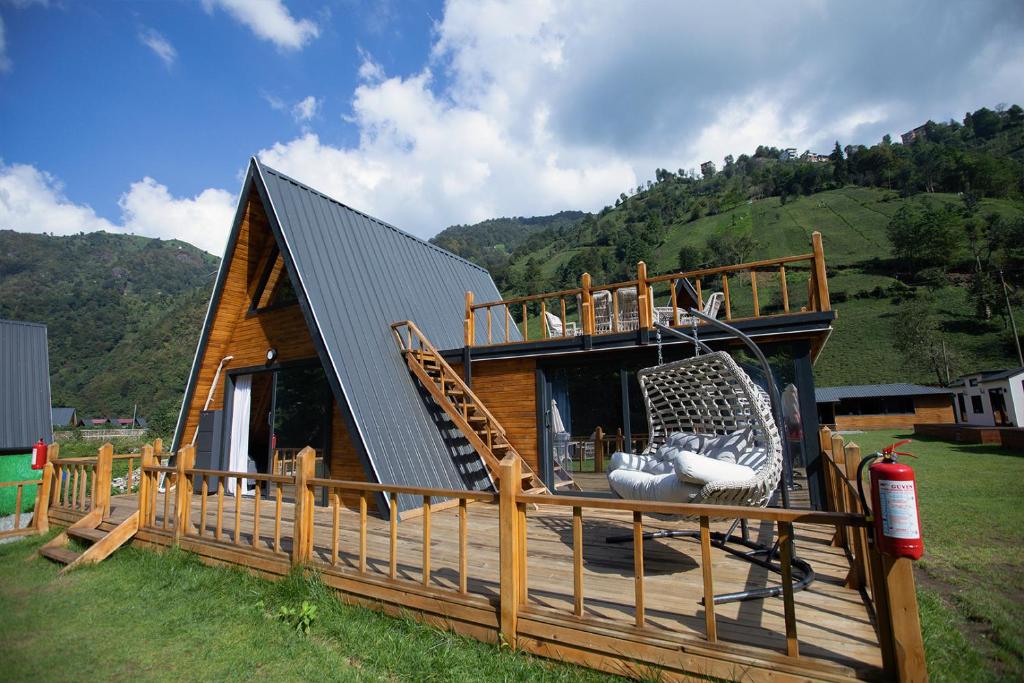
{"type": "Point", "coordinates": [927, 409]}
{"type": "Point", "coordinates": [247, 336]}
{"type": "Point", "coordinates": [509, 390]}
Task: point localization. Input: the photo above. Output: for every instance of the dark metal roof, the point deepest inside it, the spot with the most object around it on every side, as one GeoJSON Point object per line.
{"type": "Point", "coordinates": [355, 275]}
{"type": "Point", "coordinates": [834, 394]}
{"type": "Point", "coordinates": [62, 417]}
{"type": "Point", "coordinates": [24, 386]}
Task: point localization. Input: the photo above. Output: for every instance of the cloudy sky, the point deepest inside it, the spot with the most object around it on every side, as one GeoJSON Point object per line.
{"type": "Point", "coordinates": [140, 117]}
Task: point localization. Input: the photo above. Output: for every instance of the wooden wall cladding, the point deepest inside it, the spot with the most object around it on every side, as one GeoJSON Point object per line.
{"type": "Point", "coordinates": [927, 409]}
{"type": "Point", "coordinates": [509, 390]}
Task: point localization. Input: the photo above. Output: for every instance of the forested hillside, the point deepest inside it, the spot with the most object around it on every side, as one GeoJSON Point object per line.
{"type": "Point", "coordinates": [123, 315]}
{"type": "Point", "coordinates": [915, 236]}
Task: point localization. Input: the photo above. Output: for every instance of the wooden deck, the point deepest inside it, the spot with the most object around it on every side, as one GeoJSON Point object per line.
{"type": "Point", "coordinates": [837, 638]}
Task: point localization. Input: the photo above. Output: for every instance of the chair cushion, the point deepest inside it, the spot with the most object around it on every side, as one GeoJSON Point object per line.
{"type": "Point", "coordinates": [731, 447]}
{"type": "Point", "coordinates": [694, 468]}
{"type": "Point", "coordinates": [651, 464]}
{"type": "Point", "coordinates": [662, 488]}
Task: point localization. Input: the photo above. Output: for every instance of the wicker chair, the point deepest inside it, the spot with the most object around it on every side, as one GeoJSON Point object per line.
{"type": "Point", "coordinates": [711, 394]}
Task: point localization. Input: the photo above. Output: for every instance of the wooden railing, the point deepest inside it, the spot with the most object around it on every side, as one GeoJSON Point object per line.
{"type": "Point", "coordinates": [886, 582]}
{"type": "Point", "coordinates": [39, 489]}
{"type": "Point", "coordinates": [634, 304]}
{"type": "Point", "coordinates": [284, 460]}
{"type": "Point", "coordinates": [292, 537]}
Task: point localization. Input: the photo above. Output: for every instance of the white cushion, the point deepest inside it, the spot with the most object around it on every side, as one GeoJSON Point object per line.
{"type": "Point", "coordinates": [662, 488]}
{"type": "Point", "coordinates": [695, 468]}
{"type": "Point", "coordinates": [729, 447]}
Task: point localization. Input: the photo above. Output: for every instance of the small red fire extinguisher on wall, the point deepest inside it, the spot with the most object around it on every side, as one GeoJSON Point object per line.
{"type": "Point", "coordinates": [894, 510]}
{"type": "Point", "coordinates": [39, 455]}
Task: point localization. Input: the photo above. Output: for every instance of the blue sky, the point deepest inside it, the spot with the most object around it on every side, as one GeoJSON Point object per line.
{"type": "Point", "coordinates": [139, 117]}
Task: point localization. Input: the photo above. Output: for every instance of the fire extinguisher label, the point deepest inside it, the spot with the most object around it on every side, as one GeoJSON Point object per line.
{"type": "Point", "coordinates": [899, 509]}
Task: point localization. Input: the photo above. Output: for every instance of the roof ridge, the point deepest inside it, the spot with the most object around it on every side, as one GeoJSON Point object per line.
{"type": "Point", "coordinates": [380, 222]}
{"type": "Point", "coordinates": [22, 322]}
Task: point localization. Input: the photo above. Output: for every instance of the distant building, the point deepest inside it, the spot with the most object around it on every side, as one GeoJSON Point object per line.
{"type": "Point", "coordinates": [883, 406]}
{"type": "Point", "coordinates": [707, 169]}
{"type": "Point", "coordinates": [129, 423]}
{"type": "Point", "coordinates": [915, 134]}
{"type": "Point", "coordinates": [24, 387]}
{"type": "Point", "coordinates": [992, 398]}
{"type": "Point", "coordinates": [97, 422]}
{"type": "Point", "coordinates": [814, 157]}
{"type": "Point", "coordinates": [64, 418]}
{"type": "Point", "coordinates": [787, 154]}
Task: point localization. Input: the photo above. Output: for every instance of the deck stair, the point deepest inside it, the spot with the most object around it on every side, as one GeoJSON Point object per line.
{"type": "Point", "coordinates": [465, 409]}
{"type": "Point", "coordinates": [86, 530]}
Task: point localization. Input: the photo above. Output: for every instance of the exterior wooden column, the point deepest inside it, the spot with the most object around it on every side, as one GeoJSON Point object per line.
{"type": "Point", "coordinates": [302, 527]}
{"type": "Point", "coordinates": [470, 320]}
{"type": "Point", "coordinates": [907, 642]}
{"type": "Point", "coordinates": [104, 467]}
{"type": "Point", "coordinates": [145, 485]}
{"type": "Point", "coordinates": [509, 562]}
{"type": "Point", "coordinates": [820, 277]}
{"type": "Point", "coordinates": [41, 516]}
{"type": "Point", "coordinates": [599, 450]}
{"type": "Point", "coordinates": [183, 492]}
{"type": "Point", "coordinates": [586, 306]}
{"type": "Point", "coordinates": [643, 299]}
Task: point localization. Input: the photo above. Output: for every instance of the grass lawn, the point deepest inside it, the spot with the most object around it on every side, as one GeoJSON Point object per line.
{"type": "Point", "coordinates": [971, 579]}
{"type": "Point", "coordinates": [141, 615]}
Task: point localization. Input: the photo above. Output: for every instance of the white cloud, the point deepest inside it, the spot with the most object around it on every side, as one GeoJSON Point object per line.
{"type": "Point", "coordinates": [306, 109]}
{"type": "Point", "coordinates": [5, 62]}
{"type": "Point", "coordinates": [269, 20]}
{"type": "Point", "coordinates": [34, 201]}
{"type": "Point", "coordinates": [162, 47]}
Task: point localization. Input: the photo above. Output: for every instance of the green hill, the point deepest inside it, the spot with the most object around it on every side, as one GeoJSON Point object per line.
{"type": "Point", "coordinates": [951, 200]}
{"type": "Point", "coordinates": [123, 315]}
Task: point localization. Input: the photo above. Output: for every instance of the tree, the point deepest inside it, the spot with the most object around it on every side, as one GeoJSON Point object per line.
{"type": "Point", "coordinates": [839, 171]}
{"type": "Point", "coordinates": [918, 337]}
{"type": "Point", "coordinates": [925, 239]}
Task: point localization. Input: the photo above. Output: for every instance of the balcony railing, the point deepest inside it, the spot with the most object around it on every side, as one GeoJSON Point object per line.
{"type": "Point", "coordinates": [743, 291]}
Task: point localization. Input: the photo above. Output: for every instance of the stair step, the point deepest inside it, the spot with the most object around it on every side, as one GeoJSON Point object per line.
{"type": "Point", "coordinates": [477, 418]}
{"type": "Point", "coordinates": [87, 534]}
{"type": "Point", "coordinates": [535, 491]}
{"type": "Point", "coordinates": [60, 554]}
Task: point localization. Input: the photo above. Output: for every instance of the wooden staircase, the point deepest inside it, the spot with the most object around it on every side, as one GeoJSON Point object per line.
{"type": "Point", "coordinates": [463, 407]}
{"type": "Point", "coordinates": [86, 530]}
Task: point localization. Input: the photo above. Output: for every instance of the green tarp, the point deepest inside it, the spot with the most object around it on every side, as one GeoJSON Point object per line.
{"type": "Point", "coordinates": [17, 468]}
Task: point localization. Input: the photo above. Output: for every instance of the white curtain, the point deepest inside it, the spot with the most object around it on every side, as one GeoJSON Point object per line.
{"type": "Point", "coordinates": [241, 404]}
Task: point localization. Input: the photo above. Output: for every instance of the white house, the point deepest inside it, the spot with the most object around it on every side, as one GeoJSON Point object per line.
{"type": "Point", "coordinates": [993, 398]}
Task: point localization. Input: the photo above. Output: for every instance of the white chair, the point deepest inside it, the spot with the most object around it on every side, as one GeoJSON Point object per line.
{"type": "Point", "coordinates": [711, 307]}
{"type": "Point", "coordinates": [554, 326]}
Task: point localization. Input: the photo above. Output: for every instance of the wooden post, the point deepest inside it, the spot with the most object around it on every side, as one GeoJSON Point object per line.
{"type": "Point", "coordinates": [183, 493]}
{"type": "Point", "coordinates": [855, 579]}
{"type": "Point", "coordinates": [470, 320]}
{"type": "Point", "coordinates": [158, 449]}
{"type": "Point", "coordinates": [508, 546]}
{"type": "Point", "coordinates": [145, 485]}
{"type": "Point", "coordinates": [599, 450]}
{"type": "Point", "coordinates": [104, 466]}
{"type": "Point", "coordinates": [839, 489]}
{"type": "Point", "coordinates": [904, 620]}
{"type": "Point", "coordinates": [586, 305]}
{"type": "Point", "coordinates": [825, 438]}
{"type": "Point", "coordinates": [41, 516]}
{"type": "Point", "coordinates": [302, 532]}
{"type": "Point", "coordinates": [643, 299]}
{"type": "Point", "coordinates": [820, 277]}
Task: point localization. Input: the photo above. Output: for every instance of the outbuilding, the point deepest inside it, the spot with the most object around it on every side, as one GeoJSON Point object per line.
{"type": "Point", "coordinates": [883, 406]}
{"type": "Point", "coordinates": [993, 398]}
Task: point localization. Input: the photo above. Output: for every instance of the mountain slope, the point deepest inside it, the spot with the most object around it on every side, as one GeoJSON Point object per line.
{"type": "Point", "coordinates": [123, 313]}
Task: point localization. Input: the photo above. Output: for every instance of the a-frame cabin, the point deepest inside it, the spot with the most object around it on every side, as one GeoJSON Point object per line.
{"type": "Point", "coordinates": [297, 347]}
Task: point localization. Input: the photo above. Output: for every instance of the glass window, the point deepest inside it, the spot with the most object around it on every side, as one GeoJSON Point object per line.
{"type": "Point", "coordinates": [976, 404]}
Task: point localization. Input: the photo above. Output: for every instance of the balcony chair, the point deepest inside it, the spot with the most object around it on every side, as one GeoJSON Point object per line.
{"type": "Point", "coordinates": [714, 439]}
{"type": "Point", "coordinates": [554, 326]}
{"type": "Point", "coordinates": [663, 314]}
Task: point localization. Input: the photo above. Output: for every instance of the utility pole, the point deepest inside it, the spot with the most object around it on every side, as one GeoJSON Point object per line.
{"type": "Point", "coordinates": [1013, 323]}
{"type": "Point", "coordinates": [945, 361]}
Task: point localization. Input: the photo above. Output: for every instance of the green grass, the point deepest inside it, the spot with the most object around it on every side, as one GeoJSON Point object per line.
{"type": "Point", "coordinates": [17, 468]}
{"type": "Point", "coordinates": [141, 615]}
{"type": "Point", "coordinates": [971, 579]}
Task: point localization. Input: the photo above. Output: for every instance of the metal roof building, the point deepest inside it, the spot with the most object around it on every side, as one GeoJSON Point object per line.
{"type": "Point", "coordinates": [354, 275]}
{"type": "Point", "coordinates": [63, 417]}
{"type": "Point", "coordinates": [836, 394]}
{"type": "Point", "coordinates": [24, 386]}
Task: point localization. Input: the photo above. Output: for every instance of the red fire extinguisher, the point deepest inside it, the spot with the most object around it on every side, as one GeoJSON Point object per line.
{"type": "Point", "coordinates": [39, 455]}
{"type": "Point", "coordinates": [894, 509]}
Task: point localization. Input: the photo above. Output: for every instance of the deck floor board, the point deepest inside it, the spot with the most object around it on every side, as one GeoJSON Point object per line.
{"type": "Point", "coordinates": [833, 623]}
